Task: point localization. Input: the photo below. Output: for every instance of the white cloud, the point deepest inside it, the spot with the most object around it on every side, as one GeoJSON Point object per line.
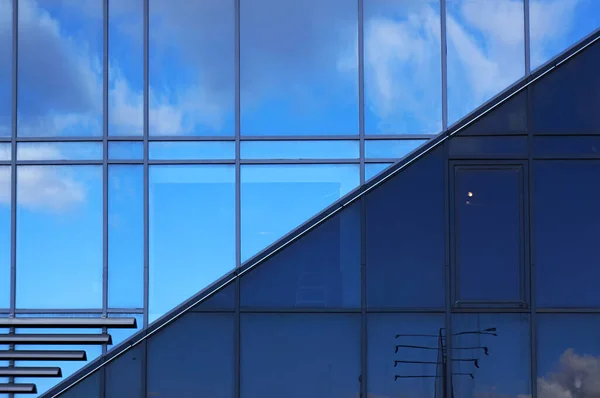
{"type": "Point", "coordinates": [577, 376]}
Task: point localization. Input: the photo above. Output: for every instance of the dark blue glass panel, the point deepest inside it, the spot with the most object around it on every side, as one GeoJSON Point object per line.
{"type": "Point", "coordinates": [321, 269]}
{"type": "Point", "coordinates": [488, 147]}
{"type": "Point", "coordinates": [488, 233]}
{"type": "Point", "coordinates": [224, 299]}
{"type": "Point", "coordinates": [501, 345]}
{"type": "Point", "coordinates": [91, 387]}
{"type": "Point", "coordinates": [568, 355]}
{"type": "Point", "coordinates": [508, 118]}
{"type": "Point", "coordinates": [124, 375]}
{"type": "Point", "coordinates": [405, 237]}
{"type": "Point", "coordinates": [417, 359]}
{"type": "Point", "coordinates": [566, 221]}
{"type": "Point", "coordinates": [566, 147]}
{"type": "Point", "coordinates": [566, 101]}
{"type": "Point", "coordinates": [192, 357]}
{"type": "Point", "coordinates": [6, 10]}
{"type": "Point", "coordinates": [300, 355]}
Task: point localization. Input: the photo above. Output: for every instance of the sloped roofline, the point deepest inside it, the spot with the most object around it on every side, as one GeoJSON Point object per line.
{"type": "Point", "coordinates": [324, 215]}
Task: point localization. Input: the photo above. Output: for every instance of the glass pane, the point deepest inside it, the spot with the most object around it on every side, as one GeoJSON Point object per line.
{"type": "Point", "coordinates": [320, 270]}
{"type": "Point", "coordinates": [60, 68]}
{"type": "Point", "coordinates": [191, 65]}
{"type": "Point", "coordinates": [568, 355]}
{"type": "Point", "coordinates": [59, 151]}
{"type": "Point", "coordinates": [268, 192]}
{"type": "Point", "coordinates": [192, 231]}
{"type": "Point", "coordinates": [5, 151]}
{"type": "Point", "coordinates": [403, 75]}
{"type": "Point", "coordinates": [485, 51]}
{"type": "Point", "coordinates": [372, 169]}
{"type": "Point", "coordinates": [192, 357]}
{"type": "Point", "coordinates": [557, 25]}
{"type": "Point", "coordinates": [508, 118]}
{"type": "Point", "coordinates": [488, 233]}
{"type": "Point", "coordinates": [125, 236]}
{"type": "Point", "coordinates": [566, 219]}
{"type": "Point", "coordinates": [6, 10]}
{"type": "Point", "coordinates": [484, 147]}
{"type": "Point", "coordinates": [191, 150]}
{"type": "Point", "coordinates": [404, 355]}
{"type": "Point", "coordinates": [59, 237]}
{"type": "Point", "coordinates": [223, 299]}
{"type": "Point", "coordinates": [566, 101]}
{"type": "Point", "coordinates": [300, 150]}
{"type": "Point", "coordinates": [566, 147]}
{"type": "Point", "coordinates": [125, 375]}
{"type": "Point", "coordinates": [4, 363]}
{"type": "Point", "coordinates": [126, 67]}
{"type": "Point", "coordinates": [405, 237]}
{"type": "Point", "coordinates": [300, 355]}
{"type": "Point", "coordinates": [120, 335]}
{"type": "Point", "coordinates": [502, 347]}
{"type": "Point", "coordinates": [391, 148]}
{"type": "Point", "coordinates": [125, 150]}
{"type": "Point", "coordinates": [312, 90]}
{"type": "Point", "coordinates": [5, 239]}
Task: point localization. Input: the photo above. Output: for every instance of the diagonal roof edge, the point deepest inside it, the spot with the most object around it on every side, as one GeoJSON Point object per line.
{"type": "Point", "coordinates": [324, 215]}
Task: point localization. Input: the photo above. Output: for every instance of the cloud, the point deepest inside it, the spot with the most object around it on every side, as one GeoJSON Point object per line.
{"type": "Point", "coordinates": [577, 376]}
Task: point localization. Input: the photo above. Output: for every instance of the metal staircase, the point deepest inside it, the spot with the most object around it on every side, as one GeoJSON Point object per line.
{"type": "Point", "coordinates": [13, 338]}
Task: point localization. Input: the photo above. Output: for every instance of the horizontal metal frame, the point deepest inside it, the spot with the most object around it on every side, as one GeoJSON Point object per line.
{"type": "Point", "coordinates": [56, 339]}
{"type": "Point", "coordinates": [41, 355]}
{"type": "Point", "coordinates": [72, 311]}
{"type": "Point", "coordinates": [79, 322]}
{"type": "Point", "coordinates": [25, 388]}
{"type": "Point", "coordinates": [36, 371]}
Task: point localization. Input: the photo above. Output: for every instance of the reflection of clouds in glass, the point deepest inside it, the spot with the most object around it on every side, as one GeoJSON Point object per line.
{"type": "Point", "coordinates": [577, 376]}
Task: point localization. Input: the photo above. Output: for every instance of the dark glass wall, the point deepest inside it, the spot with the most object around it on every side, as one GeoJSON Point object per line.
{"type": "Point", "coordinates": [472, 272]}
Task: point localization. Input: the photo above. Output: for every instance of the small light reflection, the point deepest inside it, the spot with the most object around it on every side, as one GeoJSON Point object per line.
{"type": "Point", "coordinates": [470, 194]}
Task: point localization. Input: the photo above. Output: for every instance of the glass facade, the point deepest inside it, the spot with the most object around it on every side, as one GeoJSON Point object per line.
{"type": "Point", "coordinates": [467, 270]}
{"type": "Point", "coordinates": [149, 147]}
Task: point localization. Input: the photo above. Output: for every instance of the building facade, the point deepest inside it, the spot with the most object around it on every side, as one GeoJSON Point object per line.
{"type": "Point", "coordinates": [151, 147]}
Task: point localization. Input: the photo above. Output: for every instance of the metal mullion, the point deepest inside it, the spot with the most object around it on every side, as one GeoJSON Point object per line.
{"type": "Point", "coordinates": [527, 36]}
{"type": "Point", "coordinates": [301, 161]}
{"type": "Point", "coordinates": [62, 139]}
{"type": "Point", "coordinates": [13, 172]}
{"type": "Point", "coordinates": [189, 161]}
{"type": "Point", "coordinates": [190, 138]}
{"type": "Point", "coordinates": [125, 162]}
{"type": "Point", "coordinates": [135, 138]}
{"type": "Point", "coordinates": [568, 310]}
{"type": "Point", "coordinates": [146, 99]}
{"type": "Point", "coordinates": [293, 310]}
{"type": "Point", "coordinates": [238, 206]}
{"type": "Point", "coordinates": [60, 162]}
{"type": "Point", "coordinates": [125, 310]}
{"type": "Point", "coordinates": [444, 59]}
{"type": "Point", "coordinates": [396, 310]}
{"type": "Point", "coordinates": [105, 6]}
{"type": "Point", "coordinates": [361, 90]}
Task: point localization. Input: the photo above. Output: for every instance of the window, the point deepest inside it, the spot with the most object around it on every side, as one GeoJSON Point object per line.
{"type": "Point", "coordinates": [59, 237]}
{"type": "Point", "coordinates": [312, 90]}
{"type": "Point", "coordinates": [488, 233]}
{"type": "Point", "coordinates": [319, 270]}
{"type": "Point", "coordinates": [566, 219]}
{"type": "Point", "coordinates": [405, 237]}
{"type": "Point", "coordinates": [6, 10]}
{"type": "Point", "coordinates": [191, 68]}
{"type": "Point", "coordinates": [125, 150]}
{"type": "Point", "coordinates": [5, 236]}
{"type": "Point", "coordinates": [373, 169]}
{"type": "Point", "coordinates": [403, 75]}
{"type": "Point", "coordinates": [191, 150]}
{"type": "Point", "coordinates": [59, 151]}
{"type": "Point", "coordinates": [300, 355]}
{"type": "Point", "coordinates": [390, 149]}
{"type": "Point", "coordinates": [60, 70]}
{"type": "Point", "coordinates": [302, 149]}
{"type": "Point", "coordinates": [191, 232]}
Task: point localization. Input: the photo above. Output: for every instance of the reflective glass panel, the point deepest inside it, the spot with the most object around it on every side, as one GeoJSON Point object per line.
{"type": "Point", "coordinates": [300, 149]}
{"type": "Point", "coordinates": [192, 357]}
{"type": "Point", "coordinates": [192, 231]}
{"type": "Point", "coordinates": [319, 270]}
{"type": "Point", "coordinates": [268, 192]}
{"type": "Point", "coordinates": [405, 355]}
{"type": "Point", "coordinates": [191, 66]}
{"type": "Point", "coordinates": [59, 237]}
{"type": "Point", "coordinates": [405, 237]}
{"type": "Point", "coordinates": [300, 355]}
{"type": "Point", "coordinates": [510, 117]}
{"type": "Point", "coordinates": [5, 222]}
{"type": "Point", "coordinates": [488, 233]}
{"type": "Point", "coordinates": [6, 13]}
{"type": "Point", "coordinates": [372, 169]}
{"type": "Point", "coordinates": [556, 25]}
{"type": "Point", "coordinates": [486, 51]}
{"type": "Point", "coordinates": [566, 101]}
{"type": "Point", "coordinates": [191, 150]}
{"type": "Point", "coordinates": [566, 219]}
{"type": "Point", "coordinates": [488, 147]}
{"type": "Point", "coordinates": [491, 355]}
{"type": "Point", "coordinates": [126, 67]}
{"type": "Point", "coordinates": [125, 236]}
{"type": "Point", "coordinates": [312, 90]}
{"type": "Point", "coordinates": [126, 150]}
{"type": "Point", "coordinates": [88, 388]}
{"type": "Point", "coordinates": [120, 335]}
{"type": "Point", "coordinates": [60, 68]}
{"type": "Point", "coordinates": [391, 148]}
{"type": "Point", "coordinates": [568, 355]}
{"type": "Point", "coordinates": [566, 147]}
{"type": "Point", "coordinates": [403, 74]}
{"type": "Point", "coordinates": [5, 151]}
{"type": "Point", "coordinates": [59, 151]}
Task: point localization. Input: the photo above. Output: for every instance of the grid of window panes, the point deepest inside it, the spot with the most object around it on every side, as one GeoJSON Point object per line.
{"type": "Point", "coordinates": [147, 147]}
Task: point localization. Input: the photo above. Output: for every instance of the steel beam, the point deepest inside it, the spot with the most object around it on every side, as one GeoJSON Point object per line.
{"type": "Point", "coordinates": [33, 371]}
{"type": "Point", "coordinates": [77, 322]}
{"type": "Point", "coordinates": [14, 355]}
{"type": "Point", "coordinates": [66, 339]}
{"type": "Point", "coordinates": [18, 388]}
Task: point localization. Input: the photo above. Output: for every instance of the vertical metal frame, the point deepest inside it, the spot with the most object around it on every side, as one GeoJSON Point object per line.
{"type": "Point", "coordinates": [13, 159]}
{"type": "Point", "coordinates": [444, 47]}
{"type": "Point", "coordinates": [361, 88]}
{"type": "Point", "coordinates": [527, 37]}
{"type": "Point", "coordinates": [146, 111]}
{"type": "Point", "coordinates": [483, 166]}
{"type": "Point", "coordinates": [237, 377]}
